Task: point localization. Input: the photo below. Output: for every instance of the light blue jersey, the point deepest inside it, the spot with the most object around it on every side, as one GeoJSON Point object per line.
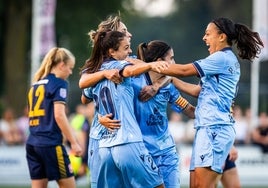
{"type": "Point", "coordinates": [152, 115]}
{"type": "Point", "coordinates": [96, 129]}
{"type": "Point", "coordinates": [118, 100]}
{"type": "Point", "coordinates": [124, 159]}
{"type": "Point", "coordinates": [220, 73]}
{"type": "Point", "coordinates": [215, 134]}
{"type": "Point", "coordinates": [153, 121]}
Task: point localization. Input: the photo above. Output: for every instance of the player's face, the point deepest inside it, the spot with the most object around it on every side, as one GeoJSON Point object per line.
{"type": "Point", "coordinates": [170, 57]}
{"type": "Point", "coordinates": [122, 28]}
{"type": "Point", "coordinates": [213, 39]}
{"type": "Point", "coordinates": [67, 69]}
{"type": "Point", "coordinates": [123, 51]}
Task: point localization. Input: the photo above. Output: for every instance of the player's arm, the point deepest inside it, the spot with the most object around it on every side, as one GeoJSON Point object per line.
{"type": "Point", "coordinates": [91, 79]}
{"type": "Point", "coordinates": [85, 100]}
{"type": "Point", "coordinates": [189, 111]}
{"type": "Point", "coordinates": [63, 123]}
{"type": "Point", "coordinates": [188, 88]}
{"type": "Point", "coordinates": [134, 70]}
{"type": "Point", "coordinates": [176, 70]}
{"type": "Point", "coordinates": [184, 106]}
{"type": "Point", "coordinates": [149, 91]}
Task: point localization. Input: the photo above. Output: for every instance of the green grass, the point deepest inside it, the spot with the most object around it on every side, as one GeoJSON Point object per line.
{"type": "Point", "coordinates": [1, 186]}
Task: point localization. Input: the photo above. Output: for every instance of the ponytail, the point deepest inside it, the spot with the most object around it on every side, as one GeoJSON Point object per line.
{"type": "Point", "coordinates": [248, 42]}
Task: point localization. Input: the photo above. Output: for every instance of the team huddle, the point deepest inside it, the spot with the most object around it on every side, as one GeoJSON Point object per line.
{"type": "Point", "coordinates": [130, 144]}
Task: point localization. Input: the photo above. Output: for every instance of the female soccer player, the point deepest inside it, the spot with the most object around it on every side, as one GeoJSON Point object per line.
{"type": "Point", "coordinates": [125, 162]}
{"type": "Point", "coordinates": [46, 156]}
{"type": "Point", "coordinates": [152, 114]}
{"type": "Point", "coordinates": [112, 23]}
{"type": "Point", "coordinates": [219, 74]}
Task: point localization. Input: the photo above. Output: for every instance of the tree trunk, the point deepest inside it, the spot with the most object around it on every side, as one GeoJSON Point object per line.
{"type": "Point", "coordinates": [16, 68]}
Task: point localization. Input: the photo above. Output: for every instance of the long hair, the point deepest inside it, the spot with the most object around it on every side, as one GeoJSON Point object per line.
{"type": "Point", "coordinates": [112, 23]}
{"type": "Point", "coordinates": [100, 51]}
{"type": "Point", "coordinates": [51, 59]}
{"type": "Point", "coordinates": [152, 51]}
{"type": "Point", "coordinates": [247, 41]}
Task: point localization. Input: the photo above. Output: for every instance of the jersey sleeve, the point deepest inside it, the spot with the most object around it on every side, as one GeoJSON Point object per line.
{"type": "Point", "coordinates": [61, 91]}
{"type": "Point", "coordinates": [87, 92]}
{"type": "Point", "coordinates": [213, 64]}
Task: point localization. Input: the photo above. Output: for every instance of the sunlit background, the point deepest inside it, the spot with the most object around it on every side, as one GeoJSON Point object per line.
{"type": "Point", "coordinates": [181, 23]}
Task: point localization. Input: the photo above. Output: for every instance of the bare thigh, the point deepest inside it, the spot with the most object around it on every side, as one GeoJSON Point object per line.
{"type": "Point", "coordinates": [67, 183]}
{"type": "Point", "coordinates": [204, 177]}
{"type": "Point", "coordinates": [40, 183]}
{"type": "Point", "coordinates": [230, 178]}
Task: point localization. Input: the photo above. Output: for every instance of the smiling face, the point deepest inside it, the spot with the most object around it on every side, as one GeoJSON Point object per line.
{"type": "Point", "coordinates": [214, 39]}
{"type": "Point", "coordinates": [123, 51]}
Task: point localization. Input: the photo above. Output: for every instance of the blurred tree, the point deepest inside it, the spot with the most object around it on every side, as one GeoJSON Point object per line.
{"type": "Point", "coordinates": [183, 29]}
{"type": "Point", "coordinates": [74, 19]}
{"type": "Point", "coordinates": [15, 47]}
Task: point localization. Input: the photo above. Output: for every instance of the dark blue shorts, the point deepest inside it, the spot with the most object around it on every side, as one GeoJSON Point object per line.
{"type": "Point", "coordinates": [52, 162]}
{"type": "Point", "coordinates": [229, 164]}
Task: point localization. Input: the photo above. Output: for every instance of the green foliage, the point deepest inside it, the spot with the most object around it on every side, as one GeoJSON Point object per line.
{"type": "Point", "coordinates": [182, 29]}
{"type": "Point", "coordinates": [74, 19]}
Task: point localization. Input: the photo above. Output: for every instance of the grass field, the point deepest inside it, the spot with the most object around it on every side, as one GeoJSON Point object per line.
{"type": "Point", "coordinates": [1, 186]}
{"type": "Point", "coordinates": [89, 187]}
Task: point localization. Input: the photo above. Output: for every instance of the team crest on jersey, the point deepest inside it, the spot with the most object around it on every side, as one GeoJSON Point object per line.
{"type": "Point", "coordinates": [63, 92]}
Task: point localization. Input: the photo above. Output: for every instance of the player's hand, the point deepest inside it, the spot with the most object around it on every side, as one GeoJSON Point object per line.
{"type": "Point", "coordinates": [113, 75]}
{"type": "Point", "coordinates": [233, 154]}
{"type": "Point", "coordinates": [76, 149]}
{"type": "Point", "coordinates": [108, 122]}
{"type": "Point", "coordinates": [147, 93]}
{"type": "Point", "coordinates": [159, 66]}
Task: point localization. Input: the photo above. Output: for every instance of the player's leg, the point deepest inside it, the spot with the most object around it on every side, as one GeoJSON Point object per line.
{"type": "Point", "coordinates": [49, 163]}
{"type": "Point", "coordinates": [137, 165]}
{"type": "Point", "coordinates": [230, 178]}
{"type": "Point", "coordinates": [212, 146]}
{"type": "Point", "coordinates": [58, 166]}
{"type": "Point", "coordinates": [93, 161]}
{"type": "Point", "coordinates": [205, 177]}
{"type": "Point", "coordinates": [67, 182]}
{"type": "Point", "coordinates": [36, 168]}
{"type": "Point", "coordinates": [40, 183]}
{"type": "Point", "coordinates": [192, 165]}
{"type": "Point", "coordinates": [168, 165]}
{"type": "Point", "coordinates": [109, 175]}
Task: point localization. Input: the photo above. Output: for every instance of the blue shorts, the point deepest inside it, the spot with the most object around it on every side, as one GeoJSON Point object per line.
{"type": "Point", "coordinates": [128, 165]}
{"type": "Point", "coordinates": [229, 164]}
{"type": "Point", "coordinates": [93, 161]}
{"type": "Point", "coordinates": [168, 165]}
{"type": "Point", "coordinates": [211, 147]}
{"type": "Point", "coordinates": [52, 162]}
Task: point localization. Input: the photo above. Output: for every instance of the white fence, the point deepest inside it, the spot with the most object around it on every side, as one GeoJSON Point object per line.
{"type": "Point", "coordinates": [252, 166]}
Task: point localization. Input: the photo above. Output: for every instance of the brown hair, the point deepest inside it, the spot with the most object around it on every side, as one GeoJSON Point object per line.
{"type": "Point", "coordinates": [153, 50]}
{"type": "Point", "coordinates": [100, 52]}
{"type": "Point", "coordinates": [247, 41]}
